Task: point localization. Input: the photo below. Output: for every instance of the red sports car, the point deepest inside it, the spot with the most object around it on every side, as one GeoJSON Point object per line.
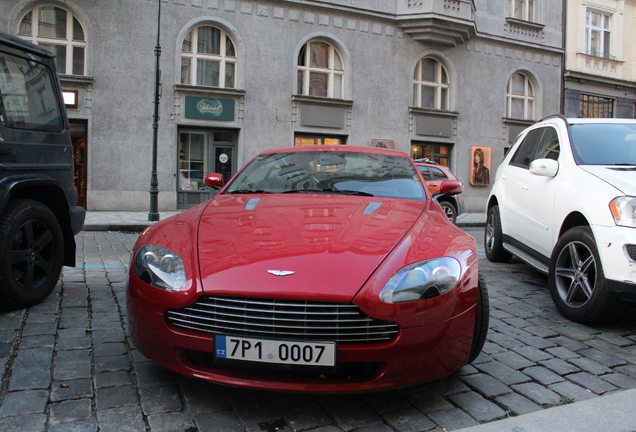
{"type": "Point", "coordinates": [319, 269]}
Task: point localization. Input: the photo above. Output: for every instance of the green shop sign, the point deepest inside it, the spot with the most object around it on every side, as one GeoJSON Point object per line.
{"type": "Point", "coordinates": [209, 109]}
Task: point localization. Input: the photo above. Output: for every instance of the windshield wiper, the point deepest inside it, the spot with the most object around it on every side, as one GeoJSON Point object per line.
{"type": "Point", "coordinates": [247, 191]}
{"type": "Point", "coordinates": [329, 190]}
{"type": "Point", "coordinates": [350, 192]}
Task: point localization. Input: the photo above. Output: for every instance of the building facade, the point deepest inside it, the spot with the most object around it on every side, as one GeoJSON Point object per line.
{"type": "Point", "coordinates": [449, 80]}
{"type": "Point", "coordinates": [600, 60]}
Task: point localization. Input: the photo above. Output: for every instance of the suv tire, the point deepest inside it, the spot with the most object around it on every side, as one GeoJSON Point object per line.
{"type": "Point", "coordinates": [493, 239]}
{"type": "Point", "coordinates": [577, 281]}
{"type": "Point", "coordinates": [31, 239]}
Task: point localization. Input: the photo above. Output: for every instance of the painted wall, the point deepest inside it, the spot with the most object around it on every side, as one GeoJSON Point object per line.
{"type": "Point", "coordinates": [117, 96]}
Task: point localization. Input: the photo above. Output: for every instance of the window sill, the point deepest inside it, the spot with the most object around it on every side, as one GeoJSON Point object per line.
{"type": "Point", "coordinates": [601, 58]}
{"type": "Point", "coordinates": [527, 24]}
{"type": "Point", "coordinates": [432, 111]}
{"type": "Point", "coordinates": [322, 100]}
{"type": "Point", "coordinates": [516, 121]}
{"type": "Point", "coordinates": [76, 80]}
{"type": "Point", "coordinates": [216, 91]}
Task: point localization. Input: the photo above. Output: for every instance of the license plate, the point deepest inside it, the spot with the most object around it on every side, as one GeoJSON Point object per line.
{"type": "Point", "coordinates": [275, 351]}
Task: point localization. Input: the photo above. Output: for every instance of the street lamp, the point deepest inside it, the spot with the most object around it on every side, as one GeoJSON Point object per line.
{"type": "Point", "coordinates": [153, 215]}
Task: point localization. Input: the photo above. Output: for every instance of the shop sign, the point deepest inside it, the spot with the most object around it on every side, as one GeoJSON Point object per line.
{"type": "Point", "coordinates": [209, 109]}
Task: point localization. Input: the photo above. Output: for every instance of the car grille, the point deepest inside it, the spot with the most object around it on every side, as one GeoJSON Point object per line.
{"type": "Point", "coordinates": [286, 319]}
{"type": "Point", "coordinates": [631, 251]}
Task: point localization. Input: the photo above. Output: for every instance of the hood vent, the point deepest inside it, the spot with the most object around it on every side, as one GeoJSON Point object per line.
{"type": "Point", "coordinates": [252, 203]}
{"type": "Point", "coordinates": [372, 207]}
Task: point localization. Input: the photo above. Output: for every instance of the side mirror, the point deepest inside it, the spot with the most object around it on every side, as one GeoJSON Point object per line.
{"type": "Point", "coordinates": [544, 167]}
{"type": "Point", "coordinates": [451, 187]}
{"type": "Point", "coordinates": [214, 180]}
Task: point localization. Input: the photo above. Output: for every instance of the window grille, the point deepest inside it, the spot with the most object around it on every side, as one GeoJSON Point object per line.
{"type": "Point", "coordinates": [596, 106]}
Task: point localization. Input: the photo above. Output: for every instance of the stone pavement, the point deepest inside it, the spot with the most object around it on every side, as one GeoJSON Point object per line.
{"type": "Point", "coordinates": [67, 365]}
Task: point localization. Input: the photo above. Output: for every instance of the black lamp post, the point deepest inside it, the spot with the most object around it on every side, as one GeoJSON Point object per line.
{"type": "Point", "coordinates": [153, 215]}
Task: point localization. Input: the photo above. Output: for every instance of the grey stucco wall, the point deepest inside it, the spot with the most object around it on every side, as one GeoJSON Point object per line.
{"type": "Point", "coordinates": [118, 99]}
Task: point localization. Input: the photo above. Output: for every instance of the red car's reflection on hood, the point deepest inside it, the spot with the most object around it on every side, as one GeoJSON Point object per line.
{"type": "Point", "coordinates": [332, 243]}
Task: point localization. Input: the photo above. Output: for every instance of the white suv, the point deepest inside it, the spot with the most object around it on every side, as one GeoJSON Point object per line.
{"type": "Point", "coordinates": [564, 200]}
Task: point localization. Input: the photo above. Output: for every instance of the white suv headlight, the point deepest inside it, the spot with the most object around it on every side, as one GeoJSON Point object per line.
{"type": "Point", "coordinates": [624, 211]}
{"type": "Point", "coordinates": [160, 267]}
{"type": "Point", "coordinates": [422, 280]}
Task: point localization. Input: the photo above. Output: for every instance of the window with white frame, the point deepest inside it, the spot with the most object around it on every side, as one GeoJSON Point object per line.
{"type": "Point", "coordinates": [520, 97]}
{"type": "Point", "coordinates": [208, 58]}
{"type": "Point", "coordinates": [597, 33]}
{"type": "Point", "coordinates": [320, 70]}
{"type": "Point", "coordinates": [431, 87]}
{"type": "Point", "coordinates": [57, 30]}
{"type": "Point", "coordinates": [522, 9]}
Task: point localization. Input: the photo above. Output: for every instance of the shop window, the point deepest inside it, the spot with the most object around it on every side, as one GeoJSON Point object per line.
{"type": "Point", "coordinates": [320, 70]}
{"type": "Point", "coordinates": [596, 106]}
{"type": "Point", "coordinates": [57, 30]}
{"type": "Point", "coordinates": [522, 9]}
{"type": "Point", "coordinates": [520, 97]}
{"type": "Point", "coordinates": [192, 161]}
{"type": "Point", "coordinates": [430, 85]}
{"type": "Point", "coordinates": [202, 152]}
{"type": "Point", "coordinates": [438, 153]}
{"type": "Point", "coordinates": [208, 58]}
{"type": "Point", "coordinates": [303, 140]}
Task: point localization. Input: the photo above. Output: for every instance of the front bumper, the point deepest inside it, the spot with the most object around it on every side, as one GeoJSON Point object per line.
{"type": "Point", "coordinates": [619, 265]}
{"type": "Point", "coordinates": [416, 355]}
{"type": "Point", "coordinates": [77, 215]}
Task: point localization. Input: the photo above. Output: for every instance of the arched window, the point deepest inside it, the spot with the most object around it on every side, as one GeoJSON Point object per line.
{"type": "Point", "coordinates": [208, 58]}
{"type": "Point", "coordinates": [431, 87]}
{"type": "Point", "coordinates": [320, 70]}
{"type": "Point", "coordinates": [59, 31]}
{"type": "Point", "coordinates": [520, 98]}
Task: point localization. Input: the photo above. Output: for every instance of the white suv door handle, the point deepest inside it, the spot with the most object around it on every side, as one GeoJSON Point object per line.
{"type": "Point", "coordinates": [524, 186]}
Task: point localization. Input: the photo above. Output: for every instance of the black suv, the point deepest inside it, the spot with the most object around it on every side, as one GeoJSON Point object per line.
{"type": "Point", "coordinates": [38, 215]}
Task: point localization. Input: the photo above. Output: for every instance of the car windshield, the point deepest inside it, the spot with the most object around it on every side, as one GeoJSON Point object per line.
{"type": "Point", "coordinates": [604, 144]}
{"type": "Point", "coordinates": [332, 172]}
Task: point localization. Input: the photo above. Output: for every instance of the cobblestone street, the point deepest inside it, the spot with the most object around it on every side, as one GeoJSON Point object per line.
{"type": "Point", "coordinates": [67, 365]}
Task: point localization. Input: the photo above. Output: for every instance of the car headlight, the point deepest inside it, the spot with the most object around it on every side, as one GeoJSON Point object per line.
{"type": "Point", "coordinates": [422, 280]}
{"type": "Point", "coordinates": [160, 267]}
{"type": "Point", "coordinates": [624, 211]}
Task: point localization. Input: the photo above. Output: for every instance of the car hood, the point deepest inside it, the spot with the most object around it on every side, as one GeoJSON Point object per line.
{"type": "Point", "coordinates": [250, 245]}
{"type": "Point", "coordinates": [621, 177]}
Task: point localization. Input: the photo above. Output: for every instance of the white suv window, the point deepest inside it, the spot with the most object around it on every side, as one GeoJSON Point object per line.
{"type": "Point", "coordinates": [549, 147]}
{"type": "Point", "coordinates": [524, 154]}
{"type": "Point", "coordinates": [538, 144]}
